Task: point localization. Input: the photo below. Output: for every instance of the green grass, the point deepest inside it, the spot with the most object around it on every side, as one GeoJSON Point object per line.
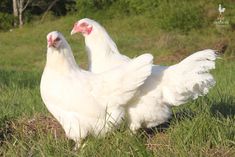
{"type": "Point", "coordinates": [205, 127]}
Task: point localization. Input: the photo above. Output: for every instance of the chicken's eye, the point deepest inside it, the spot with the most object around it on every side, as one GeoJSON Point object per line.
{"type": "Point", "coordinates": [57, 39]}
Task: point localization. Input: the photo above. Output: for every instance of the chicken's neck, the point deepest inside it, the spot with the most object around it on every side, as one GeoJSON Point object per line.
{"type": "Point", "coordinates": [61, 61]}
{"type": "Point", "coordinates": [100, 51]}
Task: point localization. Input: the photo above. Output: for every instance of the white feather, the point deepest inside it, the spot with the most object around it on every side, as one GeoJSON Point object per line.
{"type": "Point", "coordinates": [167, 86]}
{"type": "Point", "coordinates": [86, 103]}
{"type": "Point", "coordinates": [221, 10]}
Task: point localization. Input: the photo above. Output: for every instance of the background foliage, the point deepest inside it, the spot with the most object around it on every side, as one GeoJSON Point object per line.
{"type": "Point", "coordinates": [182, 15]}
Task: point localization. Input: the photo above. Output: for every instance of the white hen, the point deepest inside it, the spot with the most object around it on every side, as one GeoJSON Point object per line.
{"type": "Point", "coordinates": [166, 87]}
{"type": "Point", "coordinates": [85, 103]}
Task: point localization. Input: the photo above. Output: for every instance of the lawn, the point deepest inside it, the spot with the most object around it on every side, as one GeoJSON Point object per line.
{"type": "Point", "coordinates": [205, 127]}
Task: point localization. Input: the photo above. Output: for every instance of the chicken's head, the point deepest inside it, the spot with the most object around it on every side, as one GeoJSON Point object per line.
{"type": "Point", "coordinates": [54, 39]}
{"type": "Point", "coordinates": [83, 26]}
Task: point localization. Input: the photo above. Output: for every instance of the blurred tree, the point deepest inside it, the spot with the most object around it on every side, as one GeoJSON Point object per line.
{"type": "Point", "coordinates": [26, 9]}
{"type": "Point", "coordinates": [49, 8]}
{"type": "Point", "coordinates": [19, 7]}
{"type": "Point", "coordinates": [58, 7]}
{"type": "Point", "coordinates": [15, 12]}
{"type": "Point", "coordinates": [22, 5]}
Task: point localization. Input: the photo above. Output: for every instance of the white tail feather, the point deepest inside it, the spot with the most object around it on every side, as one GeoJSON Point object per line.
{"type": "Point", "coordinates": [190, 78]}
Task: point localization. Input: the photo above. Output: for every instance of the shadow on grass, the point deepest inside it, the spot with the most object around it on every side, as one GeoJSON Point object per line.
{"type": "Point", "coordinates": [178, 116]}
{"type": "Point", "coordinates": [225, 107]}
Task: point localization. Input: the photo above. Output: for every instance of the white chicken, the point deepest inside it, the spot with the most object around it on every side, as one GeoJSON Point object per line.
{"type": "Point", "coordinates": [166, 87]}
{"type": "Point", "coordinates": [86, 103]}
{"type": "Point", "coordinates": [221, 10]}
